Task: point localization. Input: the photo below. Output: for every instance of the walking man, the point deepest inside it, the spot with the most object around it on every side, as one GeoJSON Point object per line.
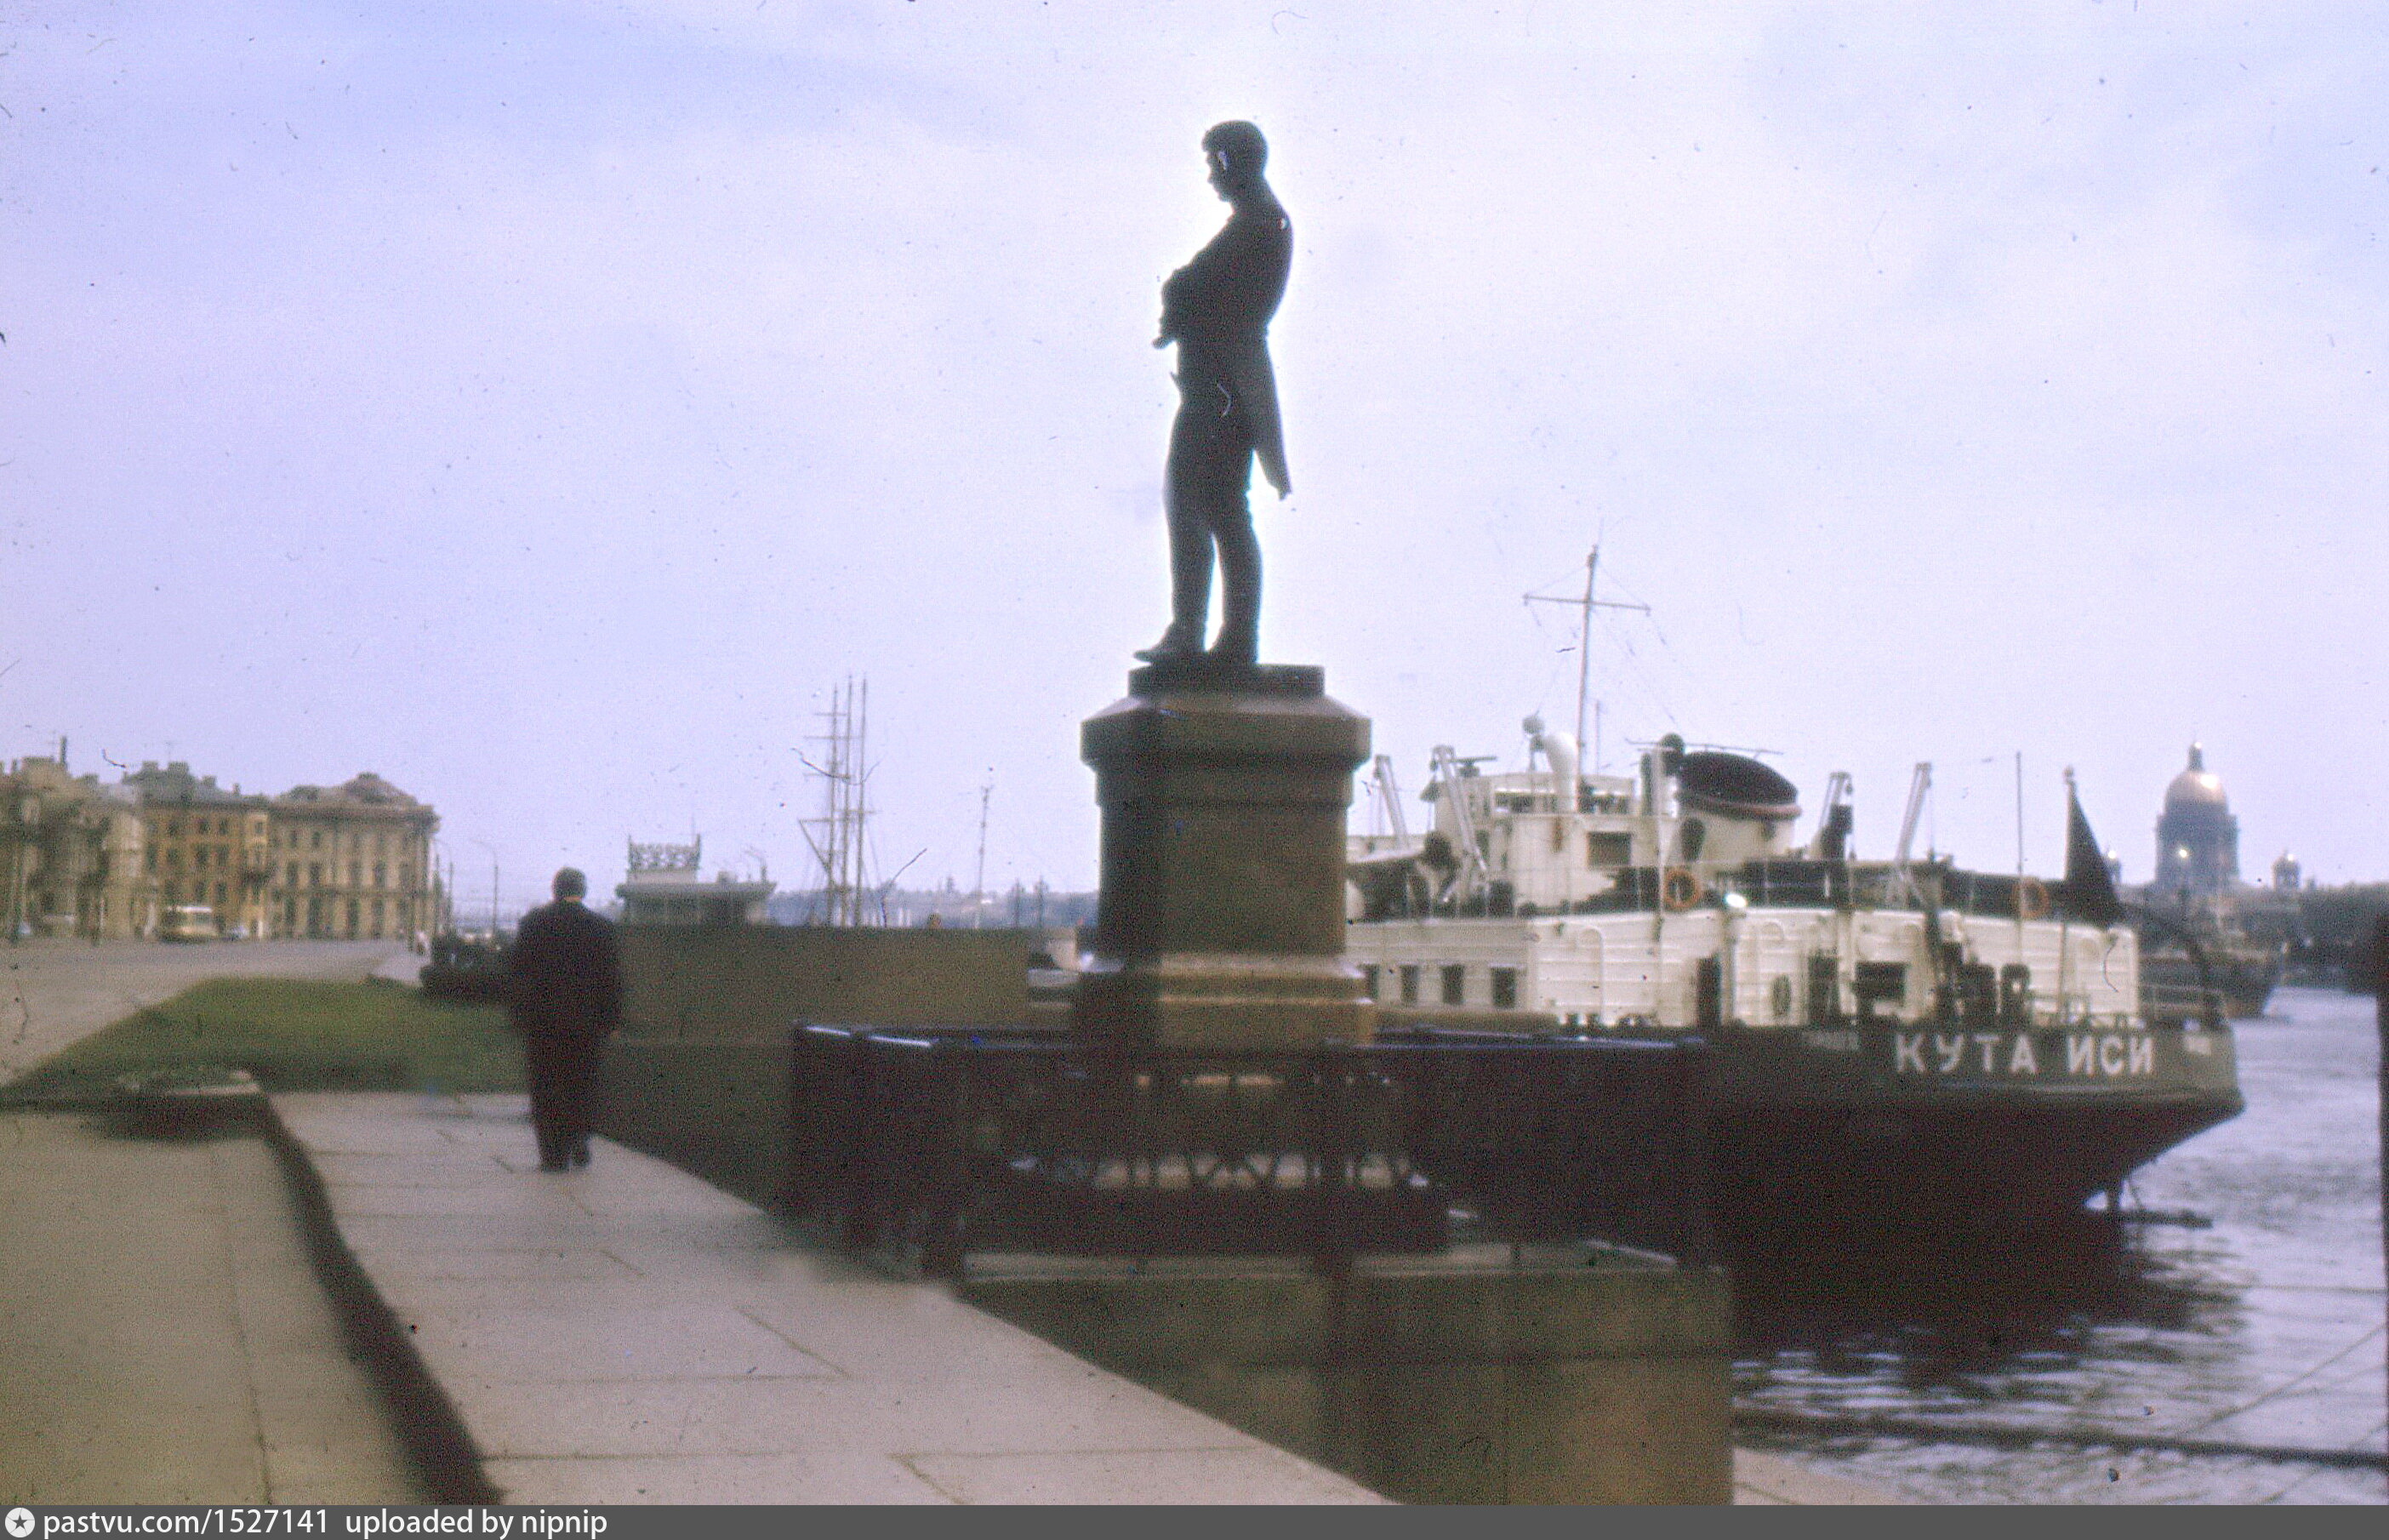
{"type": "Point", "coordinates": [567, 978]}
{"type": "Point", "coordinates": [1217, 309]}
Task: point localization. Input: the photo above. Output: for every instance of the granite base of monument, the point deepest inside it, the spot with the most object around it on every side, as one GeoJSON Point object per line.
{"type": "Point", "coordinates": [1220, 922]}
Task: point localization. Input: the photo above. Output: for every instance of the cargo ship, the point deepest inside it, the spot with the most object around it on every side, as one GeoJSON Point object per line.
{"type": "Point", "coordinates": [1893, 1040]}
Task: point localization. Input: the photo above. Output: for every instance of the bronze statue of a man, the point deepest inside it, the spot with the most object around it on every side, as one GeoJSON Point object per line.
{"type": "Point", "coordinates": [1217, 309]}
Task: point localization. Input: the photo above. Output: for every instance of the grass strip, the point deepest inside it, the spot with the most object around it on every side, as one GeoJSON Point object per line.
{"type": "Point", "coordinates": [295, 1034]}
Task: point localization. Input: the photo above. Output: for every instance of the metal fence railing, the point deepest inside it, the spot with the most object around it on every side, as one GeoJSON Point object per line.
{"type": "Point", "coordinates": [932, 1144]}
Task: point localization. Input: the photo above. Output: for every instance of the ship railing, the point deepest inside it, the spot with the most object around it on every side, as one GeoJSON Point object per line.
{"type": "Point", "coordinates": [2169, 1004]}
{"type": "Point", "coordinates": [925, 1146]}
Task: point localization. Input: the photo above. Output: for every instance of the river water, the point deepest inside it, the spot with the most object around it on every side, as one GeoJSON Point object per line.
{"type": "Point", "coordinates": [2265, 1328]}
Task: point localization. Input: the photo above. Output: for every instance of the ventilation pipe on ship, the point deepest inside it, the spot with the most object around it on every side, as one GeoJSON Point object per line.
{"type": "Point", "coordinates": [1559, 752]}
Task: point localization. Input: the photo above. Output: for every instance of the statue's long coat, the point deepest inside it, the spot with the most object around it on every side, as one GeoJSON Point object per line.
{"type": "Point", "coordinates": [1218, 307]}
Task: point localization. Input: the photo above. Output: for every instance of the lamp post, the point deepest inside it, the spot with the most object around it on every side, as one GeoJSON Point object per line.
{"type": "Point", "coordinates": [494, 888]}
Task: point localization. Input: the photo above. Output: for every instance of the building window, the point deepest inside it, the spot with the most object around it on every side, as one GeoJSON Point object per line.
{"type": "Point", "coordinates": [378, 916]}
{"type": "Point", "coordinates": [1455, 983]}
{"type": "Point", "coordinates": [175, 828]}
{"type": "Point", "coordinates": [1410, 984]}
{"type": "Point", "coordinates": [352, 919]}
{"type": "Point", "coordinates": [405, 875]}
{"type": "Point", "coordinates": [1505, 989]}
{"type": "Point", "coordinates": [381, 875]}
{"type": "Point", "coordinates": [149, 860]}
{"type": "Point", "coordinates": [219, 893]}
{"type": "Point", "coordinates": [1369, 980]}
{"type": "Point", "coordinates": [314, 874]}
{"type": "Point", "coordinates": [356, 874]}
{"type": "Point", "coordinates": [315, 839]}
{"type": "Point", "coordinates": [292, 880]}
{"type": "Point", "coordinates": [289, 917]}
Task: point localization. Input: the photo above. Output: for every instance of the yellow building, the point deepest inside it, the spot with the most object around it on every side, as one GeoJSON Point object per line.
{"type": "Point", "coordinates": [205, 846]}
{"type": "Point", "coordinates": [70, 855]}
{"type": "Point", "coordinates": [351, 861]}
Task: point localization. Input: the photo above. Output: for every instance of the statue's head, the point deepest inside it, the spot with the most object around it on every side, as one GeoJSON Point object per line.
{"type": "Point", "coordinates": [1237, 153]}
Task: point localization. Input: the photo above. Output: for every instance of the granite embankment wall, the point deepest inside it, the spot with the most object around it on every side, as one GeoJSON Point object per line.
{"type": "Point", "coordinates": [699, 1074]}
{"type": "Point", "coordinates": [738, 980]}
{"type": "Point", "coordinates": [1454, 1379]}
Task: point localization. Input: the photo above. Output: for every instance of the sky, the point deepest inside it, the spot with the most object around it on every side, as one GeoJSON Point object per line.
{"type": "Point", "coordinates": [548, 406]}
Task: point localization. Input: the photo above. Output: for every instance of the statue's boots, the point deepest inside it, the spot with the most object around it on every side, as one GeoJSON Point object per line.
{"type": "Point", "coordinates": [1238, 644]}
{"type": "Point", "coordinates": [1176, 645]}
{"type": "Point", "coordinates": [1234, 649]}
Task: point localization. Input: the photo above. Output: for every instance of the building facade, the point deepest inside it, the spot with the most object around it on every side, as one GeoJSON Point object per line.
{"type": "Point", "coordinates": [351, 862]}
{"type": "Point", "coordinates": [70, 855]}
{"type": "Point", "coordinates": [204, 847]}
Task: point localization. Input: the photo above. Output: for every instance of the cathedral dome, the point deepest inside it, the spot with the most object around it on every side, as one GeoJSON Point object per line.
{"type": "Point", "coordinates": [2196, 786]}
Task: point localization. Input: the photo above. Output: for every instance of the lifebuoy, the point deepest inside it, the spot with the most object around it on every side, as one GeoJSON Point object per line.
{"type": "Point", "coordinates": [2032, 898]}
{"type": "Point", "coordinates": [1681, 889]}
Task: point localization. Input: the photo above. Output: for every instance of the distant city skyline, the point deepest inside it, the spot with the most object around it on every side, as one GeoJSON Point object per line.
{"type": "Point", "coordinates": [548, 408]}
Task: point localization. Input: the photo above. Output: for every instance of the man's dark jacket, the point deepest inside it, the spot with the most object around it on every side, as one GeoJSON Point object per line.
{"type": "Point", "coordinates": [566, 973]}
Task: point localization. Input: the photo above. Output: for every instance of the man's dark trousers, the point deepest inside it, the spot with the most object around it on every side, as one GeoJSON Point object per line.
{"type": "Point", "coordinates": [563, 1073]}
{"type": "Point", "coordinates": [567, 977]}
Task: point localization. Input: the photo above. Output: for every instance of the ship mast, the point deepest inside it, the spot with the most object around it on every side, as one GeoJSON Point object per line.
{"type": "Point", "coordinates": [1587, 605]}
{"type": "Point", "coordinates": [846, 811]}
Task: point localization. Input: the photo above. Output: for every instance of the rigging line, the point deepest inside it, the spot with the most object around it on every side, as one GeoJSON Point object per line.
{"type": "Point", "coordinates": [1653, 695]}
{"type": "Point", "coordinates": [2286, 1385]}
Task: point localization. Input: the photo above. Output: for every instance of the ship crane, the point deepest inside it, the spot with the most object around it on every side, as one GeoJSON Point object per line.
{"type": "Point", "coordinates": [1919, 787]}
{"type": "Point", "coordinates": [1449, 768]}
{"type": "Point", "coordinates": [1389, 797]}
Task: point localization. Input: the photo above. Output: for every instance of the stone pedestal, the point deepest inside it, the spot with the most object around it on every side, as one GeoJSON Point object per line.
{"type": "Point", "coordinates": [1221, 925]}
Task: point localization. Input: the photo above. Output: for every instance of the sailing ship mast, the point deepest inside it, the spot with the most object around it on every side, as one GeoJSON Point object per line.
{"type": "Point", "coordinates": [839, 847]}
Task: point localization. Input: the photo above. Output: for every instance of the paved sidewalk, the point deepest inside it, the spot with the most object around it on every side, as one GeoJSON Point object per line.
{"type": "Point", "coordinates": [163, 1336]}
{"type": "Point", "coordinates": [402, 968]}
{"type": "Point", "coordinates": [630, 1334]}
